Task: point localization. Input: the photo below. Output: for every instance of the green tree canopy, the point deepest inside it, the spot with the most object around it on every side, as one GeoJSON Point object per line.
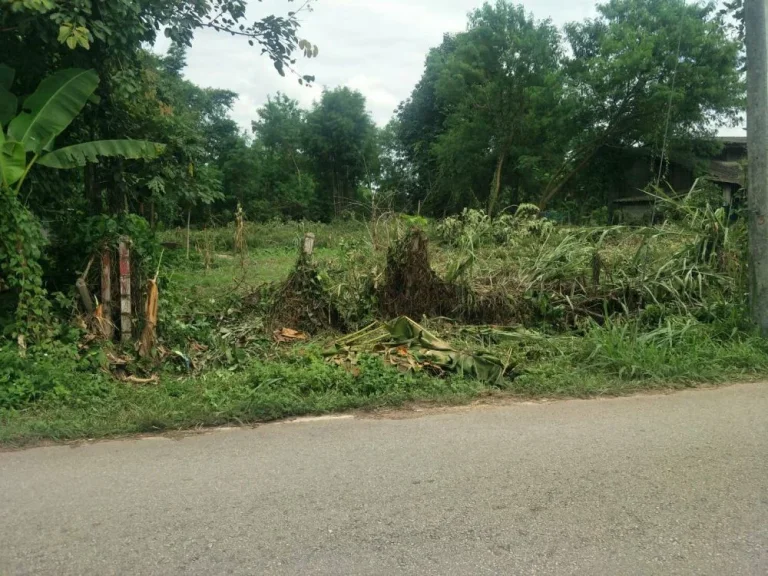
{"type": "Point", "coordinates": [340, 140]}
{"type": "Point", "coordinates": [510, 106]}
{"type": "Point", "coordinates": [645, 72]}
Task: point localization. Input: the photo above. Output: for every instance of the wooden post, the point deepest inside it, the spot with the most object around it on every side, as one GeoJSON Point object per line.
{"type": "Point", "coordinates": [85, 296]}
{"type": "Point", "coordinates": [309, 243]}
{"type": "Point", "coordinates": [125, 290]}
{"type": "Point", "coordinates": [147, 339]}
{"type": "Point", "coordinates": [106, 293]}
{"type": "Point", "coordinates": [82, 287]}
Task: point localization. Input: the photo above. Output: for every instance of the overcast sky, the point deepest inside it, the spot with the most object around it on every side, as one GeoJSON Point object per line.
{"type": "Point", "coordinates": [374, 46]}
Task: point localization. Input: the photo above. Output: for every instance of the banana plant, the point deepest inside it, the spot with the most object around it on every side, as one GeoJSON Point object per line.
{"type": "Point", "coordinates": [27, 137]}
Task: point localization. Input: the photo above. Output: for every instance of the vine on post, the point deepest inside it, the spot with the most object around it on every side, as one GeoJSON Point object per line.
{"type": "Point", "coordinates": [21, 241]}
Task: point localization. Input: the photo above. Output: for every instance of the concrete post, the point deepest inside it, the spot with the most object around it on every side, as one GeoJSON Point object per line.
{"type": "Point", "coordinates": [126, 324]}
{"type": "Point", "coordinates": [756, 21]}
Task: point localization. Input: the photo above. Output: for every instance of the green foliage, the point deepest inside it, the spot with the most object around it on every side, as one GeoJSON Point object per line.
{"type": "Point", "coordinates": [340, 139]}
{"type": "Point", "coordinates": [52, 374]}
{"type": "Point", "coordinates": [500, 87]}
{"type": "Point", "coordinates": [510, 112]}
{"type": "Point", "coordinates": [21, 244]}
{"type": "Point", "coordinates": [119, 26]}
{"type": "Point", "coordinates": [675, 81]}
{"type": "Point", "coordinates": [45, 115]}
{"type": "Point", "coordinates": [302, 383]}
{"type": "Point", "coordinates": [81, 154]}
{"type": "Point", "coordinates": [57, 101]}
{"type": "Point", "coordinates": [474, 228]}
{"type": "Point", "coordinates": [624, 357]}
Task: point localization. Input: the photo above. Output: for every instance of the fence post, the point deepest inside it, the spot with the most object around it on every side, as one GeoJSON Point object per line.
{"type": "Point", "coordinates": [106, 293]}
{"type": "Point", "coordinates": [125, 290]}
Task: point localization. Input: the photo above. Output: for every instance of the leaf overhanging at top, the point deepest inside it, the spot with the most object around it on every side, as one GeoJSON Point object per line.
{"type": "Point", "coordinates": [51, 108]}
{"type": "Point", "coordinates": [80, 154]}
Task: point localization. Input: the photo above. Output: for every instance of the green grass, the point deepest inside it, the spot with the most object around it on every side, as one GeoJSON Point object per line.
{"type": "Point", "coordinates": [690, 330]}
{"type": "Point", "coordinates": [265, 391]}
{"type": "Point", "coordinates": [612, 361]}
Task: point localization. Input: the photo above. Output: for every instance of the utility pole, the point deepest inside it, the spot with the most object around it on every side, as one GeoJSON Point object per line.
{"type": "Point", "coordinates": [756, 23]}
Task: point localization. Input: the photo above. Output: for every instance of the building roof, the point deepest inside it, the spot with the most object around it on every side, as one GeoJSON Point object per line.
{"type": "Point", "coordinates": [730, 172]}
{"type": "Point", "coordinates": [732, 139]}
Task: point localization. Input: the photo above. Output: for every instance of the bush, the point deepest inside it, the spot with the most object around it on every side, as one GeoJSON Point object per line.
{"type": "Point", "coordinates": [51, 374]}
{"type": "Point", "coordinates": [474, 228]}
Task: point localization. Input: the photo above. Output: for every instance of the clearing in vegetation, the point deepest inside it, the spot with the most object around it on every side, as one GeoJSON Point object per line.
{"type": "Point", "coordinates": [578, 311]}
{"type": "Point", "coordinates": [156, 270]}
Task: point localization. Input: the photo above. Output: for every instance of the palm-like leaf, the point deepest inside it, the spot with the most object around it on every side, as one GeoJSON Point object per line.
{"type": "Point", "coordinates": [52, 107]}
{"type": "Point", "coordinates": [80, 154]}
{"type": "Point", "coordinates": [12, 161]}
{"type": "Point", "coordinates": [8, 105]}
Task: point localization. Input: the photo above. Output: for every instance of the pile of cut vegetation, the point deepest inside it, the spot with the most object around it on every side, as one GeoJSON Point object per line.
{"type": "Point", "coordinates": [411, 287]}
{"type": "Point", "coordinates": [302, 301]}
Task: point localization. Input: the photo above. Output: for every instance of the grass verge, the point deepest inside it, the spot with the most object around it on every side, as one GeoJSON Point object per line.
{"type": "Point", "coordinates": [610, 360]}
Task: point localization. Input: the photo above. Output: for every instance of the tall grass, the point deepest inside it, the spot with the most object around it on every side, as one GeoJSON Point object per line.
{"type": "Point", "coordinates": [274, 234]}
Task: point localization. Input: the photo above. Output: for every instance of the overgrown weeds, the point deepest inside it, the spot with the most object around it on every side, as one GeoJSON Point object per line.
{"type": "Point", "coordinates": [303, 300]}
{"type": "Point", "coordinates": [570, 310]}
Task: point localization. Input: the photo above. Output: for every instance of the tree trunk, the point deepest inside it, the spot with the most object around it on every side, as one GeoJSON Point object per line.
{"type": "Point", "coordinates": [496, 183]}
{"type": "Point", "coordinates": [553, 191]}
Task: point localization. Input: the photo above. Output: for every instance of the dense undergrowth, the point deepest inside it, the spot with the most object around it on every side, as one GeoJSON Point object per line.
{"type": "Point", "coordinates": [571, 311]}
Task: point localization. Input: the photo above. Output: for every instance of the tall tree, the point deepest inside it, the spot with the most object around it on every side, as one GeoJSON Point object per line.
{"type": "Point", "coordinates": [396, 179]}
{"type": "Point", "coordinates": [647, 73]}
{"type": "Point", "coordinates": [340, 140]}
{"type": "Point", "coordinates": [420, 121]}
{"type": "Point", "coordinates": [499, 89]}
{"type": "Point", "coordinates": [39, 36]}
{"type": "Point", "coordinates": [287, 182]}
{"type": "Point", "coordinates": [504, 103]}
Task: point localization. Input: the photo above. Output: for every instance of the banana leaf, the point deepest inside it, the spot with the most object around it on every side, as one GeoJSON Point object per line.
{"type": "Point", "coordinates": [409, 346]}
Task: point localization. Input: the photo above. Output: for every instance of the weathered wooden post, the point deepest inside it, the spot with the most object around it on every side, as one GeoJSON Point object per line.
{"type": "Point", "coordinates": [309, 243]}
{"type": "Point", "coordinates": [106, 294]}
{"type": "Point", "coordinates": [125, 290]}
{"type": "Point", "coordinates": [147, 338]}
{"type": "Point", "coordinates": [82, 287]}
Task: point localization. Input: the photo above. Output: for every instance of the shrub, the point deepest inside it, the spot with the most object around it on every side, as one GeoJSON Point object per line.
{"type": "Point", "coordinates": [51, 374]}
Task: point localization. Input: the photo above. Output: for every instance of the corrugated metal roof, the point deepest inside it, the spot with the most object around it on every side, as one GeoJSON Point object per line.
{"type": "Point", "coordinates": [729, 172]}
{"type": "Point", "coordinates": [732, 139]}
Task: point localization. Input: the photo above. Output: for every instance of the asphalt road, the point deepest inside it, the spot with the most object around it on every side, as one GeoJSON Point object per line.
{"type": "Point", "coordinates": [674, 484]}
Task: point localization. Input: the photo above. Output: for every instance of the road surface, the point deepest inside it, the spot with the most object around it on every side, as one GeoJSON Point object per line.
{"type": "Point", "coordinates": [667, 484]}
